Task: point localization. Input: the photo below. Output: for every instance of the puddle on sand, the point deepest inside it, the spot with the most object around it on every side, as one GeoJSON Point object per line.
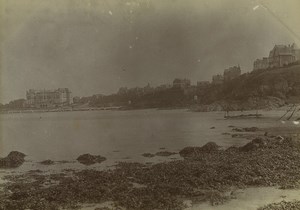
{"type": "Point", "coordinates": [252, 198]}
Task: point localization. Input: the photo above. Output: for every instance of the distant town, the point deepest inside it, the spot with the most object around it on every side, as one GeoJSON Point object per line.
{"type": "Point", "coordinates": [179, 94]}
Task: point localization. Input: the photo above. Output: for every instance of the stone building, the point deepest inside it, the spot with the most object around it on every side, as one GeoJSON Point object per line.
{"type": "Point", "coordinates": [279, 56]}
{"type": "Point", "coordinates": [181, 83]}
{"type": "Point", "coordinates": [231, 73]}
{"type": "Point", "coordinates": [163, 87]}
{"type": "Point", "coordinates": [48, 98]}
{"type": "Point", "coordinates": [217, 79]}
{"type": "Point", "coordinates": [203, 84]}
{"type": "Point", "coordinates": [261, 63]}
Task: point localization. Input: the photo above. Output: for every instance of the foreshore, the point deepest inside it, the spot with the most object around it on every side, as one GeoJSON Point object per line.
{"type": "Point", "coordinates": [207, 174]}
{"type": "Point", "coordinates": [58, 110]}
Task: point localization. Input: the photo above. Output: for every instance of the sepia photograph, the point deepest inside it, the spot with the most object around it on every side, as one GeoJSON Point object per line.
{"type": "Point", "coordinates": [150, 104]}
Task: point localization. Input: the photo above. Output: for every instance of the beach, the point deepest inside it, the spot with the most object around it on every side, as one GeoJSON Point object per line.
{"type": "Point", "coordinates": [168, 178]}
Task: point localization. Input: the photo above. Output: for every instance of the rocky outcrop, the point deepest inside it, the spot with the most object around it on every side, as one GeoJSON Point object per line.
{"type": "Point", "coordinates": [12, 160]}
{"type": "Point", "coordinates": [254, 145]}
{"type": "Point", "coordinates": [191, 151]}
{"type": "Point", "coordinates": [268, 102]}
{"type": "Point", "coordinates": [165, 153]}
{"type": "Point", "coordinates": [148, 155]}
{"type": "Point", "coordinates": [250, 129]}
{"type": "Point", "coordinates": [47, 162]}
{"type": "Point", "coordinates": [88, 159]}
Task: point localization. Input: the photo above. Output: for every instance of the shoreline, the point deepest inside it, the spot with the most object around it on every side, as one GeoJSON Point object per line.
{"type": "Point", "coordinates": [207, 174]}
{"type": "Point", "coordinates": [188, 108]}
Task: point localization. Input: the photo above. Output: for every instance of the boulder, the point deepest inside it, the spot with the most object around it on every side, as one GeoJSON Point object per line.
{"type": "Point", "coordinates": [254, 145]}
{"type": "Point", "coordinates": [12, 160]}
{"type": "Point", "coordinates": [209, 147]}
{"type": "Point", "coordinates": [88, 159]}
{"type": "Point", "coordinates": [232, 149]}
{"type": "Point", "coordinates": [165, 153]}
{"type": "Point", "coordinates": [192, 151]}
{"type": "Point", "coordinates": [250, 129]}
{"type": "Point", "coordinates": [149, 155]}
{"type": "Point", "coordinates": [47, 162]}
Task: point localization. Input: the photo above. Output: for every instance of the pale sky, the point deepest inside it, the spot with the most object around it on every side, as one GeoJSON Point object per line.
{"type": "Point", "coordinates": [97, 46]}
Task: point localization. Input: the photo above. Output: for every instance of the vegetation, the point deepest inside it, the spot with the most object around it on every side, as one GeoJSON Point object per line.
{"type": "Point", "coordinates": [207, 173]}
{"type": "Point", "coordinates": [282, 83]}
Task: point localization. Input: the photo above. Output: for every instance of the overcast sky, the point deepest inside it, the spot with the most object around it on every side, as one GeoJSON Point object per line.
{"type": "Point", "coordinates": [97, 46]}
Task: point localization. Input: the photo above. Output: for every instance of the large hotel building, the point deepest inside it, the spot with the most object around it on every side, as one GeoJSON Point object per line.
{"type": "Point", "coordinates": [48, 98]}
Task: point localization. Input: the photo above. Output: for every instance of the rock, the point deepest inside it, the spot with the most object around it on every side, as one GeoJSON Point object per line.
{"type": "Point", "coordinates": [88, 159]}
{"type": "Point", "coordinates": [260, 141]}
{"type": "Point", "coordinates": [149, 155]}
{"type": "Point", "coordinates": [47, 162]}
{"type": "Point", "coordinates": [165, 153]}
{"type": "Point", "coordinates": [250, 129]}
{"type": "Point", "coordinates": [209, 147]}
{"type": "Point", "coordinates": [207, 177]}
{"type": "Point", "coordinates": [280, 138]}
{"type": "Point", "coordinates": [232, 149]}
{"type": "Point", "coordinates": [12, 160]}
{"type": "Point", "coordinates": [212, 128]}
{"type": "Point", "coordinates": [238, 130]}
{"type": "Point", "coordinates": [288, 205]}
{"type": "Point", "coordinates": [191, 151]}
{"type": "Point", "coordinates": [254, 145]}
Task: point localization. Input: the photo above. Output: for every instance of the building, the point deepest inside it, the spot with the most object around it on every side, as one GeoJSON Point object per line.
{"type": "Point", "coordinates": [163, 87]}
{"type": "Point", "coordinates": [191, 90]}
{"type": "Point", "coordinates": [261, 63]}
{"type": "Point", "coordinates": [48, 98]}
{"type": "Point", "coordinates": [296, 52]}
{"type": "Point", "coordinates": [217, 79]}
{"type": "Point", "coordinates": [279, 56]}
{"type": "Point", "coordinates": [181, 83]}
{"type": "Point", "coordinates": [148, 89]}
{"type": "Point", "coordinates": [122, 90]}
{"type": "Point", "coordinates": [76, 99]}
{"type": "Point", "coordinates": [231, 73]}
{"type": "Point", "coordinates": [203, 84]}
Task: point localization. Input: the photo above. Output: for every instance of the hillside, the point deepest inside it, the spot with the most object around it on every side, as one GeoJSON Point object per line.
{"type": "Point", "coordinates": [283, 83]}
{"type": "Point", "coordinates": [268, 88]}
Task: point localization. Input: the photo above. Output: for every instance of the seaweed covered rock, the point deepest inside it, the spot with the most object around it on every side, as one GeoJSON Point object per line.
{"type": "Point", "coordinates": [47, 162]}
{"type": "Point", "coordinates": [12, 160]}
{"type": "Point", "coordinates": [192, 151]}
{"type": "Point", "coordinates": [165, 153]}
{"type": "Point", "coordinates": [88, 159]}
{"type": "Point", "coordinates": [148, 155]}
{"type": "Point", "coordinates": [232, 149]}
{"type": "Point", "coordinates": [210, 147]}
{"type": "Point", "coordinates": [288, 205]}
{"type": "Point", "coordinates": [250, 129]}
{"type": "Point", "coordinates": [254, 145]}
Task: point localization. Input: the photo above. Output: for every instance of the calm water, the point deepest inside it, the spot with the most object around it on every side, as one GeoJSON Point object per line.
{"type": "Point", "coordinates": [117, 135]}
